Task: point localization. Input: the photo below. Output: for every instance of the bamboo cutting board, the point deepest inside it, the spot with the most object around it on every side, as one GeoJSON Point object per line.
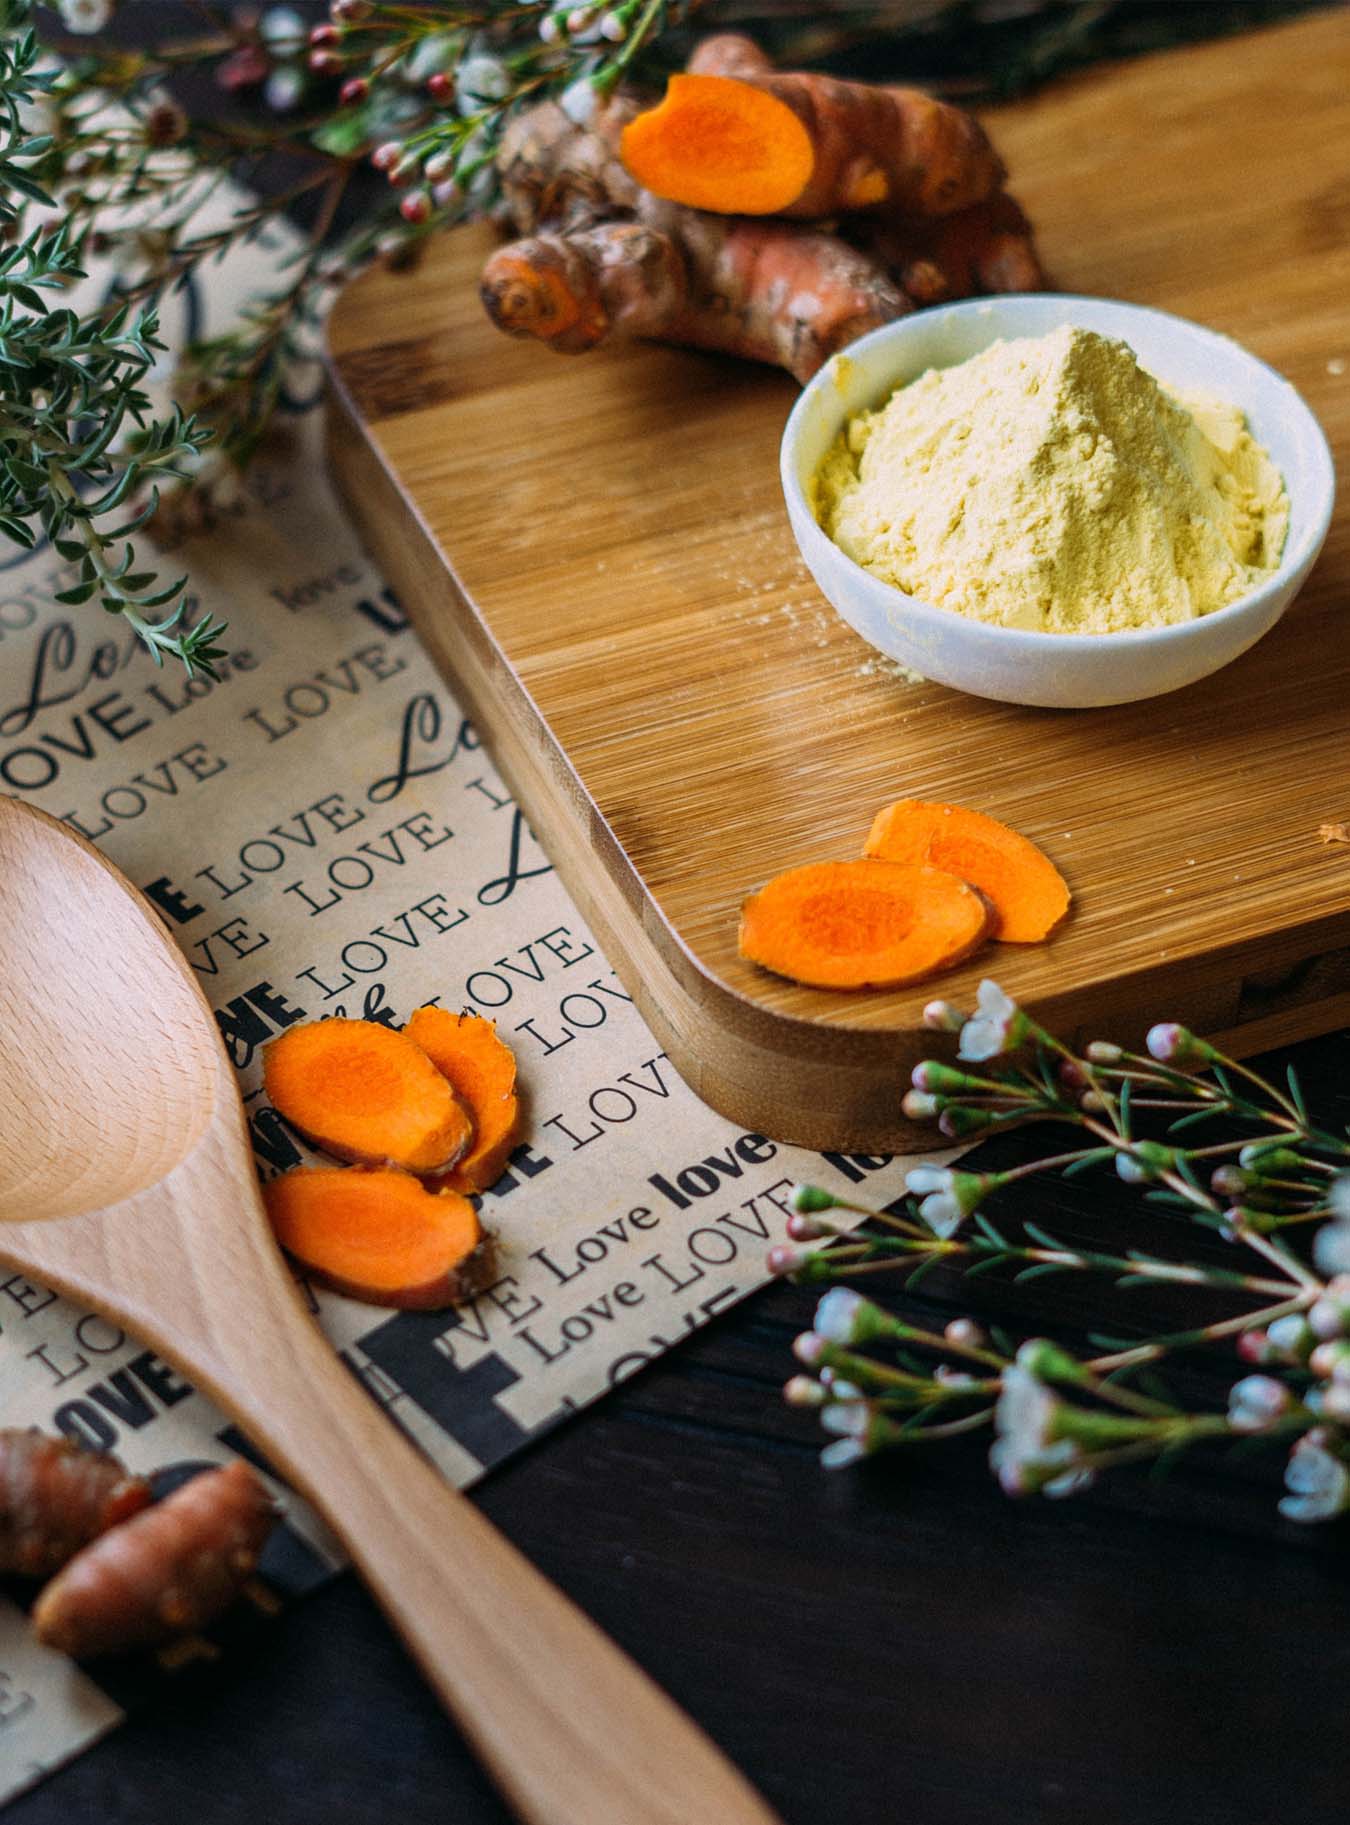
{"type": "Point", "coordinates": [596, 552]}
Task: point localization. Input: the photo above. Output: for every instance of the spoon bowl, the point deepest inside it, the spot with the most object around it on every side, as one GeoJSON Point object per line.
{"type": "Point", "coordinates": [126, 1183]}
{"type": "Point", "coordinates": [108, 1107]}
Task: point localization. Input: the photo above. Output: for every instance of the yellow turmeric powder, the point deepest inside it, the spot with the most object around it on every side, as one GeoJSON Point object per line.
{"type": "Point", "coordinates": [1052, 483]}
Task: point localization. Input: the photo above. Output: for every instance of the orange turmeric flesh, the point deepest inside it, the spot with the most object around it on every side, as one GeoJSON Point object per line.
{"type": "Point", "coordinates": [1027, 892]}
{"type": "Point", "coordinates": [482, 1069]}
{"type": "Point", "coordinates": [378, 1235]}
{"type": "Point", "coordinates": [795, 143]}
{"type": "Point", "coordinates": [852, 925]}
{"type": "Point", "coordinates": [715, 137]}
{"type": "Point", "coordinates": [364, 1092]}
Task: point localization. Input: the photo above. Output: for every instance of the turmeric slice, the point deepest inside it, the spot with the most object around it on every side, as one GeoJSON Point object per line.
{"type": "Point", "coordinates": [364, 1092]}
{"type": "Point", "coordinates": [482, 1070]}
{"type": "Point", "coordinates": [804, 145]}
{"type": "Point", "coordinates": [853, 925]}
{"type": "Point", "coordinates": [379, 1235]}
{"type": "Point", "coordinates": [55, 1497]}
{"type": "Point", "coordinates": [1027, 892]}
{"type": "Point", "coordinates": [175, 1567]}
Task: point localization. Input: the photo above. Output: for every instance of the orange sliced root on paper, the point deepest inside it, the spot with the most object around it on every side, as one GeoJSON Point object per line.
{"type": "Point", "coordinates": [364, 1092]}
{"type": "Point", "coordinates": [481, 1068]}
{"type": "Point", "coordinates": [378, 1235]}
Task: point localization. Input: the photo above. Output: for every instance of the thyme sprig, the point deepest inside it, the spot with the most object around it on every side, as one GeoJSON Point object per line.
{"type": "Point", "coordinates": [81, 451]}
{"type": "Point", "coordinates": [1060, 1417]}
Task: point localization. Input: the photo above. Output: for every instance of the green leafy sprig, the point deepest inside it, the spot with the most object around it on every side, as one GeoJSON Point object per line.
{"type": "Point", "coordinates": [81, 451]}
{"type": "Point", "coordinates": [1059, 1419]}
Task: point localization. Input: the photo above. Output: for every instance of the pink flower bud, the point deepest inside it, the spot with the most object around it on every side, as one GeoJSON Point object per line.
{"type": "Point", "coordinates": [803, 1391]}
{"type": "Point", "coordinates": [385, 157]}
{"type": "Point", "coordinates": [965, 1333]}
{"type": "Point", "coordinates": [805, 1229]}
{"type": "Point", "coordinates": [355, 89]}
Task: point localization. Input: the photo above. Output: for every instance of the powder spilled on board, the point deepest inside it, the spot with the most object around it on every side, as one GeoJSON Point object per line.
{"type": "Point", "coordinates": [1051, 483]}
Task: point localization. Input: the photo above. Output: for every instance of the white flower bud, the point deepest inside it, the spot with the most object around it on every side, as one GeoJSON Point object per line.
{"type": "Point", "coordinates": [579, 101]}
{"type": "Point", "coordinates": [837, 1314]}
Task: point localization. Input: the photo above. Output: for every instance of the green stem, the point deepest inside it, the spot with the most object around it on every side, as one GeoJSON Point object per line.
{"type": "Point", "coordinates": [1158, 1347]}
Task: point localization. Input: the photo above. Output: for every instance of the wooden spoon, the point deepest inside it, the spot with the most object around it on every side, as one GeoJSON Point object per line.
{"type": "Point", "coordinates": [126, 1183]}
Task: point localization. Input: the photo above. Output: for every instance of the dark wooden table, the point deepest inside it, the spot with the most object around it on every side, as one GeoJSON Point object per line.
{"type": "Point", "coordinates": [896, 1642]}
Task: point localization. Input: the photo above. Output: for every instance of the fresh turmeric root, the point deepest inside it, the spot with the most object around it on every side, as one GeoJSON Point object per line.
{"type": "Point", "coordinates": [744, 140]}
{"type": "Point", "coordinates": [55, 1497]}
{"type": "Point", "coordinates": [852, 925]}
{"type": "Point", "coordinates": [770, 291]}
{"type": "Point", "coordinates": [605, 257]}
{"type": "Point", "coordinates": [986, 248]}
{"type": "Point", "coordinates": [482, 1070]}
{"type": "Point", "coordinates": [173, 1568]}
{"type": "Point", "coordinates": [380, 1236]}
{"type": "Point", "coordinates": [573, 290]}
{"type": "Point", "coordinates": [1027, 892]}
{"type": "Point", "coordinates": [364, 1092]}
{"type": "Point", "coordinates": [608, 259]}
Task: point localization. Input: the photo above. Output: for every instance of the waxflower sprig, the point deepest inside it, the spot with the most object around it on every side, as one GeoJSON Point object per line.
{"type": "Point", "coordinates": [1060, 1418]}
{"type": "Point", "coordinates": [420, 93]}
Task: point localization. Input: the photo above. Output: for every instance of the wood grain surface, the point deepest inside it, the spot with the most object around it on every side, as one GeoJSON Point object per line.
{"type": "Point", "coordinates": [596, 552]}
{"type": "Point", "coordinates": [127, 1183]}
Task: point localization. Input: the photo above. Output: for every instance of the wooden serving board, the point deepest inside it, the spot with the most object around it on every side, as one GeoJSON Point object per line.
{"type": "Point", "coordinates": [596, 552]}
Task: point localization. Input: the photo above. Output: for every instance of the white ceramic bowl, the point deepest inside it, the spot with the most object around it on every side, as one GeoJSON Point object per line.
{"type": "Point", "coordinates": [1017, 665]}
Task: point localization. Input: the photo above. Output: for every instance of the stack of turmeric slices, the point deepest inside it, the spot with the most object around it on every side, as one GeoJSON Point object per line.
{"type": "Point", "coordinates": [934, 883]}
{"type": "Point", "coordinates": [427, 1116]}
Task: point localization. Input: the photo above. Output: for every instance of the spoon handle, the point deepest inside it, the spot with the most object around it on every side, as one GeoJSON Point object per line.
{"type": "Point", "coordinates": [571, 1729]}
{"type": "Point", "coordinates": [573, 1732]}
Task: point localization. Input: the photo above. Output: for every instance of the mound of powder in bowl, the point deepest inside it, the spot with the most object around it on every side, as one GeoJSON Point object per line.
{"type": "Point", "coordinates": [1051, 483]}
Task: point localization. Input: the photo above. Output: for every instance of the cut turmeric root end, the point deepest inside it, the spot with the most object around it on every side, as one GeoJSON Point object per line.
{"type": "Point", "coordinates": [850, 925]}
{"type": "Point", "coordinates": [482, 1071]}
{"type": "Point", "coordinates": [1027, 892]}
{"type": "Point", "coordinates": [379, 1235]}
{"type": "Point", "coordinates": [365, 1092]}
{"type": "Point", "coordinates": [721, 144]}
